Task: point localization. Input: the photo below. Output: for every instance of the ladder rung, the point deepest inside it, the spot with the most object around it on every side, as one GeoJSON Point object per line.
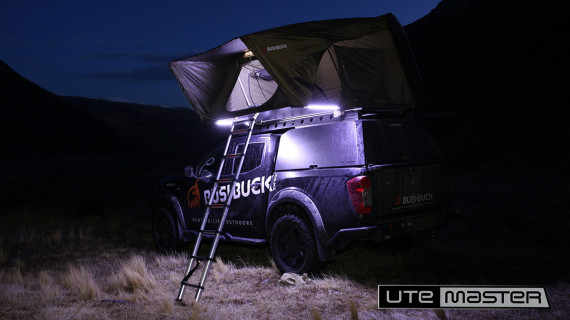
{"type": "Point", "coordinates": [209, 231]}
{"type": "Point", "coordinates": [233, 155]}
{"type": "Point", "coordinates": [225, 180]}
{"type": "Point", "coordinates": [201, 258]}
{"type": "Point", "coordinates": [240, 131]}
{"type": "Point", "coordinates": [217, 206]}
{"type": "Point", "coordinates": [184, 283]}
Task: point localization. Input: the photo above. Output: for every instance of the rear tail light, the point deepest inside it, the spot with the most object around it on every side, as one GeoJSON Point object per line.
{"type": "Point", "coordinates": [360, 194]}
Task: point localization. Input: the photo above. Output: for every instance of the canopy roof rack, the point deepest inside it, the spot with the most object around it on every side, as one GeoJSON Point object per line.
{"type": "Point", "coordinates": [342, 63]}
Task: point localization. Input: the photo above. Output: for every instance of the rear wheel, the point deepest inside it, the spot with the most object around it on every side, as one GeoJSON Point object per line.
{"type": "Point", "coordinates": [165, 232]}
{"type": "Point", "coordinates": [293, 246]}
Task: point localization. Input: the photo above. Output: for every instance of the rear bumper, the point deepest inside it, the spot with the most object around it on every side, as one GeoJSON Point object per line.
{"type": "Point", "coordinates": [396, 227]}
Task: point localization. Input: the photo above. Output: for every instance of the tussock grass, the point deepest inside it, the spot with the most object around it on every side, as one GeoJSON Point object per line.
{"type": "Point", "coordinates": [134, 277]}
{"type": "Point", "coordinates": [12, 275]}
{"type": "Point", "coordinates": [165, 306]}
{"type": "Point", "coordinates": [353, 310]}
{"type": "Point", "coordinates": [82, 282]}
{"type": "Point", "coordinates": [50, 290]}
{"type": "Point", "coordinates": [170, 261]}
{"type": "Point", "coordinates": [198, 312]}
{"type": "Point", "coordinates": [315, 314]}
{"type": "Point", "coordinates": [273, 265]}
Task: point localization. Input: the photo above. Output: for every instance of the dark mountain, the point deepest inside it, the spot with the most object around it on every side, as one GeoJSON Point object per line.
{"type": "Point", "coordinates": [34, 121]}
{"type": "Point", "coordinates": [501, 67]}
{"type": "Point", "coordinates": [151, 129]}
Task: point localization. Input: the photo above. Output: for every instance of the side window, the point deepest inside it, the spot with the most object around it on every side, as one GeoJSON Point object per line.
{"type": "Point", "coordinates": [252, 158]}
{"type": "Point", "coordinates": [211, 164]}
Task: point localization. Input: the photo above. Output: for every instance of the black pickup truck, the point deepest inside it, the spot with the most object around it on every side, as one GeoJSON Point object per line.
{"type": "Point", "coordinates": [361, 167]}
{"type": "Point", "coordinates": [310, 187]}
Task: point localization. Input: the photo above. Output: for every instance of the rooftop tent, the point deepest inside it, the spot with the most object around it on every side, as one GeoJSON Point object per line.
{"type": "Point", "coordinates": [357, 62]}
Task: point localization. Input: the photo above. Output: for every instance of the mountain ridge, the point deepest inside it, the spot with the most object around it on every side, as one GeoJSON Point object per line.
{"type": "Point", "coordinates": [35, 121]}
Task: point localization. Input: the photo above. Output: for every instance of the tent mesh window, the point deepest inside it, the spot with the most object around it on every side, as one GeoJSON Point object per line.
{"type": "Point", "coordinates": [362, 71]}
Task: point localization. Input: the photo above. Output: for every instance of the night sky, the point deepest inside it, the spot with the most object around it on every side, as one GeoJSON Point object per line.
{"type": "Point", "coordinates": [119, 50]}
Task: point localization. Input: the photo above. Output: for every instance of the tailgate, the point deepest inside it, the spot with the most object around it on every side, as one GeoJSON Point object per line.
{"type": "Point", "coordinates": [397, 189]}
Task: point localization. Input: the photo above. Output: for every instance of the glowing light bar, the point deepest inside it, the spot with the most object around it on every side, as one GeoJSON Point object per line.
{"type": "Point", "coordinates": [330, 107]}
{"type": "Point", "coordinates": [225, 122]}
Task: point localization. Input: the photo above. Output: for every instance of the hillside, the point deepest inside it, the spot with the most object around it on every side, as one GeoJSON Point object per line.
{"type": "Point", "coordinates": [34, 121]}
{"type": "Point", "coordinates": [37, 122]}
{"type": "Point", "coordinates": [152, 129]}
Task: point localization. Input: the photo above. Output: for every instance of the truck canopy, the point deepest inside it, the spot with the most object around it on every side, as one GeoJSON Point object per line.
{"type": "Point", "coordinates": [347, 63]}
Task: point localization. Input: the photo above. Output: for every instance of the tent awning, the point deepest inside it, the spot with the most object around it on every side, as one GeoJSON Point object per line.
{"type": "Point", "coordinates": [357, 62]}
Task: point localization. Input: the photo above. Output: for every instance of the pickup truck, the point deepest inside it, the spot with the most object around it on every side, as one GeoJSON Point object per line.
{"type": "Point", "coordinates": [311, 186]}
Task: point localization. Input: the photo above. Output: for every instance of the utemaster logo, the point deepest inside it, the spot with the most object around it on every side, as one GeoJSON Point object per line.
{"type": "Point", "coordinates": [460, 297]}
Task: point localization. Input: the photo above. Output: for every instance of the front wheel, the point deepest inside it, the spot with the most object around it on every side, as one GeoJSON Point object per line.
{"type": "Point", "coordinates": [293, 246]}
{"type": "Point", "coordinates": [165, 232]}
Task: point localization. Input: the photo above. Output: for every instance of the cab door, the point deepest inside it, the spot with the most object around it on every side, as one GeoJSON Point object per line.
{"type": "Point", "coordinates": [247, 211]}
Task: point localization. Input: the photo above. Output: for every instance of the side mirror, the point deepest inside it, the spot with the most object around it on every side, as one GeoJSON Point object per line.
{"type": "Point", "coordinates": [206, 175]}
{"type": "Point", "coordinates": [189, 171]}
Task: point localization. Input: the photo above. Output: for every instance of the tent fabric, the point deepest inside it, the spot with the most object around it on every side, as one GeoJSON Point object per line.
{"type": "Point", "coordinates": [357, 62]}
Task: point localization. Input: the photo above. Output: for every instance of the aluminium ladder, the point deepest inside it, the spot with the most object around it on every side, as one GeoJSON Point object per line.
{"type": "Point", "coordinates": [250, 124]}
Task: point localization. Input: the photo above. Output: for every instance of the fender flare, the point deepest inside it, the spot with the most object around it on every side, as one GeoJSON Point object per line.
{"type": "Point", "coordinates": [298, 197]}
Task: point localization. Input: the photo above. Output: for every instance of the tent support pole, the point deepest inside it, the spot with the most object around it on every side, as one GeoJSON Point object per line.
{"type": "Point", "coordinates": [249, 104]}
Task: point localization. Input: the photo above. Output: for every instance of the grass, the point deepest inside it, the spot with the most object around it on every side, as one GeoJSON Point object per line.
{"type": "Point", "coordinates": [353, 310]}
{"type": "Point", "coordinates": [12, 276]}
{"type": "Point", "coordinates": [143, 287]}
{"type": "Point", "coordinates": [133, 277]}
{"type": "Point", "coordinates": [60, 265]}
{"type": "Point", "coordinates": [81, 282]}
{"type": "Point", "coordinates": [239, 292]}
{"type": "Point", "coordinates": [50, 290]}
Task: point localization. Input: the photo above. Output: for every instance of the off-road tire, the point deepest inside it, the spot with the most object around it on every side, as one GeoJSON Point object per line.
{"type": "Point", "coordinates": [165, 233]}
{"type": "Point", "coordinates": [293, 246]}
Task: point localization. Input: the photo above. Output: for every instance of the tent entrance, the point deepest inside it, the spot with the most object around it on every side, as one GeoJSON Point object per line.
{"type": "Point", "coordinates": [253, 87]}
